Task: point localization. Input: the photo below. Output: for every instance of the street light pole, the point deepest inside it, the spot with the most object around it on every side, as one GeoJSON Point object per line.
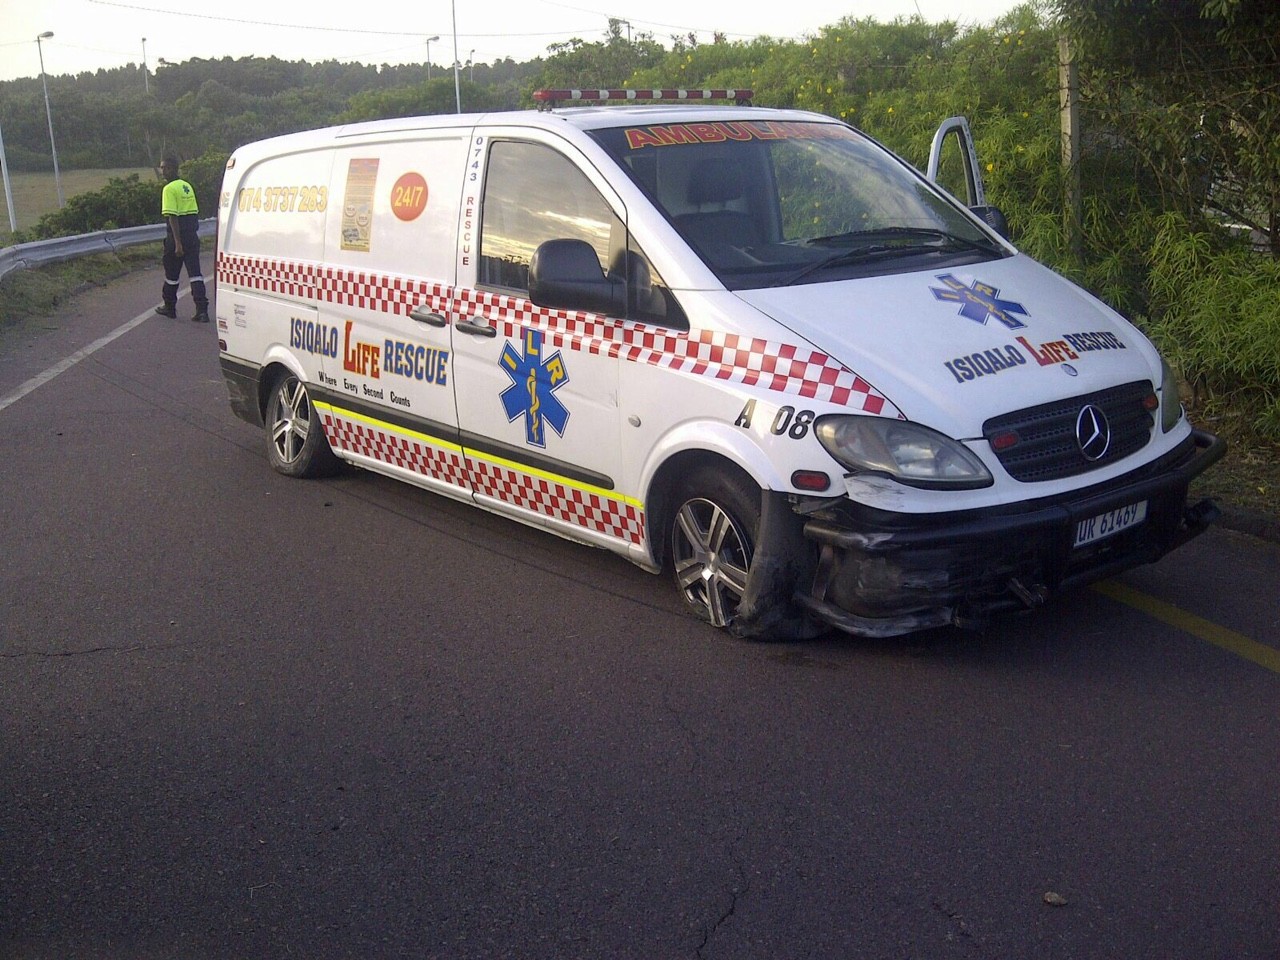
{"type": "Point", "coordinates": [146, 79]}
{"type": "Point", "coordinates": [429, 39]}
{"type": "Point", "coordinates": [57, 177]}
{"type": "Point", "coordinates": [471, 62]}
{"type": "Point", "coordinates": [8, 190]}
{"type": "Point", "coordinates": [457, 87]}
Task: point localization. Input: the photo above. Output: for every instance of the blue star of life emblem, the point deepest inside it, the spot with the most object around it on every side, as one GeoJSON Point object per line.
{"type": "Point", "coordinates": [978, 301]}
{"type": "Point", "coordinates": [532, 391]}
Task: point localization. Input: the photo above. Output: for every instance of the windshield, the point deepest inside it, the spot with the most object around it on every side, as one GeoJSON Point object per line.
{"type": "Point", "coordinates": [767, 203]}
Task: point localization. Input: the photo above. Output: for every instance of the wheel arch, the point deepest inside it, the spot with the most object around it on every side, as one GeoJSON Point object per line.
{"type": "Point", "coordinates": [665, 484]}
{"type": "Point", "coordinates": [276, 365]}
{"type": "Point", "coordinates": [783, 559]}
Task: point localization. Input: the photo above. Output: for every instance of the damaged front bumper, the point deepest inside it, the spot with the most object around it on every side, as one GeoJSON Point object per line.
{"type": "Point", "coordinates": [883, 574]}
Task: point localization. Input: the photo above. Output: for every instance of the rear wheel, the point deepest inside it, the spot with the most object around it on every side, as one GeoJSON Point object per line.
{"type": "Point", "coordinates": [713, 536]}
{"type": "Point", "coordinates": [296, 444]}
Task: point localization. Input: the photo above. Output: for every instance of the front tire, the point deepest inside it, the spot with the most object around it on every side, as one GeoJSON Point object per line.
{"type": "Point", "coordinates": [296, 444]}
{"type": "Point", "coordinates": [713, 536]}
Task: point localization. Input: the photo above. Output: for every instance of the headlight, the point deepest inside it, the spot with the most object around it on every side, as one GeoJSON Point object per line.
{"type": "Point", "coordinates": [1170, 403]}
{"type": "Point", "coordinates": [907, 452]}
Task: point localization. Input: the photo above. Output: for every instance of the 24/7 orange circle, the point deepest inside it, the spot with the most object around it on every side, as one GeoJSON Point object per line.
{"type": "Point", "coordinates": [409, 196]}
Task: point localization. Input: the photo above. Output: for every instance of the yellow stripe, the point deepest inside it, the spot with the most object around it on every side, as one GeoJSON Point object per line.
{"type": "Point", "coordinates": [381, 425]}
{"type": "Point", "coordinates": [1219, 636]}
{"type": "Point", "coordinates": [556, 478]}
{"type": "Point", "coordinates": [456, 448]}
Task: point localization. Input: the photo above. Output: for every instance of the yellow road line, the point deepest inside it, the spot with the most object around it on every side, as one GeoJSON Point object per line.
{"type": "Point", "coordinates": [1220, 636]}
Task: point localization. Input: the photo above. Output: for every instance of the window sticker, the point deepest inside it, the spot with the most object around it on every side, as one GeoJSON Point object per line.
{"type": "Point", "coordinates": [409, 197]}
{"type": "Point", "coordinates": [357, 204]}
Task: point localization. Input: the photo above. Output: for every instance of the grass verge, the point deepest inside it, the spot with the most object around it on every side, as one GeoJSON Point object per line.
{"type": "Point", "coordinates": [35, 194]}
{"type": "Point", "coordinates": [27, 296]}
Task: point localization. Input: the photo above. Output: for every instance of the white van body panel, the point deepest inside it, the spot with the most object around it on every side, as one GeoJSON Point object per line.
{"type": "Point", "coordinates": [391, 267]}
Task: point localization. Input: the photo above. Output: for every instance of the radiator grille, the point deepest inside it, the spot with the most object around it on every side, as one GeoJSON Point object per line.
{"type": "Point", "coordinates": [1047, 447]}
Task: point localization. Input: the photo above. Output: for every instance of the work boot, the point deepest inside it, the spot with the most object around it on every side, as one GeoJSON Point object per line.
{"type": "Point", "coordinates": [202, 316]}
{"type": "Point", "coordinates": [167, 310]}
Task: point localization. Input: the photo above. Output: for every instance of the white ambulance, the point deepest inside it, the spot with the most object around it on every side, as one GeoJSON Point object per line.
{"type": "Point", "coordinates": [751, 346]}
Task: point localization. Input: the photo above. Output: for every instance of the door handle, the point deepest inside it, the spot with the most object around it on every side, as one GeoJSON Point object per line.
{"type": "Point", "coordinates": [476, 328]}
{"type": "Point", "coordinates": [423, 315]}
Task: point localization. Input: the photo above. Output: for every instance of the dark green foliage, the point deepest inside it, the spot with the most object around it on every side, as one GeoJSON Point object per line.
{"type": "Point", "coordinates": [440, 95]}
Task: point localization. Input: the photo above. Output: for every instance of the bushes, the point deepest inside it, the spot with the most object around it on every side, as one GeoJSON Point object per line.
{"type": "Point", "coordinates": [1216, 317]}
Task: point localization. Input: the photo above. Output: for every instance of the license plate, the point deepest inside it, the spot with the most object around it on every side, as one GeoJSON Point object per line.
{"type": "Point", "coordinates": [1112, 522]}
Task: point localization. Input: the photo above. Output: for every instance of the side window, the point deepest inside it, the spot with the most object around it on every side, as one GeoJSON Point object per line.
{"type": "Point", "coordinates": [533, 194]}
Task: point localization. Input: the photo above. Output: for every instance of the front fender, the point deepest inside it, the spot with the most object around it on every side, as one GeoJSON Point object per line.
{"type": "Point", "coordinates": [716, 438]}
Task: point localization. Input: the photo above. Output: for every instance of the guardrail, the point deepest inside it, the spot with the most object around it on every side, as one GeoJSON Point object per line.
{"type": "Point", "coordinates": [42, 252]}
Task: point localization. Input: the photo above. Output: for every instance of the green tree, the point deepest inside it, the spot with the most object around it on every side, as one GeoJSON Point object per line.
{"type": "Point", "coordinates": [1189, 90]}
{"type": "Point", "coordinates": [603, 64]}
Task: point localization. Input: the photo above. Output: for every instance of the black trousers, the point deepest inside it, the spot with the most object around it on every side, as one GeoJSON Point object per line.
{"type": "Point", "coordinates": [190, 259]}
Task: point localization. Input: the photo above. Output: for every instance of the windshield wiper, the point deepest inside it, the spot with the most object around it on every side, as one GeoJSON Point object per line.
{"type": "Point", "coordinates": [871, 244]}
{"type": "Point", "coordinates": [890, 233]}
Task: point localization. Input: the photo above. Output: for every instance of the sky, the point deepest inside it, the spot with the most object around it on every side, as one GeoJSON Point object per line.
{"type": "Point", "coordinates": [104, 34]}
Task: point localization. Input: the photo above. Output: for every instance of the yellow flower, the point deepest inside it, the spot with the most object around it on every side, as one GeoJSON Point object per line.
{"type": "Point", "coordinates": [990, 167]}
{"type": "Point", "coordinates": [891, 109]}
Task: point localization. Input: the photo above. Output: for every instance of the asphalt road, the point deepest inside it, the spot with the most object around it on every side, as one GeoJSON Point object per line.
{"type": "Point", "coordinates": [248, 717]}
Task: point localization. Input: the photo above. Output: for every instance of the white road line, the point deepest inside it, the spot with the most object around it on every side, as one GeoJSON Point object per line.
{"type": "Point", "coordinates": [67, 363]}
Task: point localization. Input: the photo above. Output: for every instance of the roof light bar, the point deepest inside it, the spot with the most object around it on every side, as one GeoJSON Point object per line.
{"type": "Point", "coordinates": [551, 98]}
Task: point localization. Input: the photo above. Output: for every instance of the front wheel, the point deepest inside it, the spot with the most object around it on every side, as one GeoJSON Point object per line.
{"type": "Point", "coordinates": [296, 444]}
{"type": "Point", "coordinates": [713, 535]}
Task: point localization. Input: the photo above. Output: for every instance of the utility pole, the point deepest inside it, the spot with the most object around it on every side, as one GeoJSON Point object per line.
{"type": "Point", "coordinates": [8, 190]}
{"type": "Point", "coordinates": [57, 176]}
{"type": "Point", "coordinates": [1069, 111]}
{"type": "Point", "coordinates": [457, 86]}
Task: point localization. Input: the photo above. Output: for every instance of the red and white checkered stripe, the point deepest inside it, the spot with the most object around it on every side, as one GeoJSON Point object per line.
{"type": "Point", "coordinates": [725, 356]}
{"type": "Point", "coordinates": [773, 365]}
{"type": "Point", "coordinates": [380, 443]}
{"type": "Point", "coordinates": [587, 509]}
{"type": "Point", "coordinates": [351, 288]}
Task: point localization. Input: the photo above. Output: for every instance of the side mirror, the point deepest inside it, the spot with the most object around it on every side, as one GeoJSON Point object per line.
{"type": "Point", "coordinates": [994, 218]}
{"type": "Point", "coordinates": [566, 275]}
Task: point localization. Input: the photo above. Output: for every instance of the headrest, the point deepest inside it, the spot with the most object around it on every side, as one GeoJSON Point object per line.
{"type": "Point", "coordinates": [716, 181]}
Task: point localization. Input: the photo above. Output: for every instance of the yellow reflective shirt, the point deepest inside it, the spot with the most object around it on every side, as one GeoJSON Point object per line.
{"type": "Point", "coordinates": [178, 199]}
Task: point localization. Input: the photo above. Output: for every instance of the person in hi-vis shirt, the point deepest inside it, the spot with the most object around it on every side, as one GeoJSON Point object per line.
{"type": "Point", "coordinates": [181, 243]}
